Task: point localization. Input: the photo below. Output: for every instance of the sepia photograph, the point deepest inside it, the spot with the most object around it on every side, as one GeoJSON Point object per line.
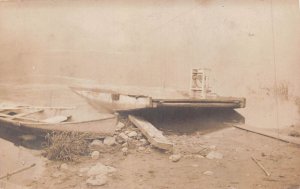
{"type": "Point", "coordinates": [150, 94]}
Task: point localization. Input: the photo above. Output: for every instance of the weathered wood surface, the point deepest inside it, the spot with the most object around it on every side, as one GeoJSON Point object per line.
{"type": "Point", "coordinates": [57, 119]}
{"type": "Point", "coordinates": [21, 118]}
{"type": "Point", "coordinates": [115, 100]}
{"type": "Point", "coordinates": [154, 136]}
{"type": "Point", "coordinates": [27, 113]}
{"type": "Point", "coordinates": [270, 134]}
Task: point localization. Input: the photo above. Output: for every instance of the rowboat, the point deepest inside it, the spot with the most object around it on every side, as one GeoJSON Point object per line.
{"type": "Point", "coordinates": [47, 119]}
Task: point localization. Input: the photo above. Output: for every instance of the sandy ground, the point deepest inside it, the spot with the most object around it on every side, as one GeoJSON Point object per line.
{"type": "Point", "coordinates": [14, 158]}
{"type": "Point", "coordinates": [191, 133]}
{"type": "Point", "coordinates": [154, 169]}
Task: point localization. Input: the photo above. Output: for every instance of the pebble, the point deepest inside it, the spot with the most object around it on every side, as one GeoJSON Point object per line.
{"type": "Point", "coordinates": [98, 180]}
{"type": "Point", "coordinates": [208, 173]}
{"type": "Point", "coordinates": [141, 148]}
{"type": "Point", "coordinates": [64, 166]}
{"type": "Point", "coordinates": [175, 157]}
{"type": "Point", "coordinates": [120, 126]}
{"type": "Point", "coordinates": [95, 155]}
{"type": "Point", "coordinates": [214, 155]}
{"type": "Point", "coordinates": [110, 141]}
{"type": "Point", "coordinates": [132, 134]}
{"type": "Point", "coordinates": [144, 141]}
{"type": "Point", "coordinates": [96, 143]}
{"type": "Point", "coordinates": [123, 136]}
{"type": "Point", "coordinates": [125, 151]}
{"type": "Point", "coordinates": [100, 169]}
{"type": "Point", "coordinates": [125, 144]}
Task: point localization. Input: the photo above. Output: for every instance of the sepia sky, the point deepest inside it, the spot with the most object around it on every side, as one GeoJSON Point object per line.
{"type": "Point", "coordinates": [246, 44]}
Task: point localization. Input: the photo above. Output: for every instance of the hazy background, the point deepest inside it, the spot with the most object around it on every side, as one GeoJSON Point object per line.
{"type": "Point", "coordinates": [245, 43]}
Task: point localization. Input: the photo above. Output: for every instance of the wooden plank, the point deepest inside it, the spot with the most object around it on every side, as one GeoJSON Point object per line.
{"type": "Point", "coordinates": [57, 119]}
{"type": "Point", "coordinates": [206, 100]}
{"type": "Point", "coordinates": [273, 135]}
{"type": "Point", "coordinates": [17, 171]}
{"type": "Point", "coordinates": [35, 107]}
{"type": "Point", "coordinates": [21, 118]}
{"type": "Point", "coordinates": [261, 166]}
{"type": "Point", "coordinates": [154, 136]}
{"type": "Point", "coordinates": [26, 114]}
{"type": "Point", "coordinates": [199, 105]}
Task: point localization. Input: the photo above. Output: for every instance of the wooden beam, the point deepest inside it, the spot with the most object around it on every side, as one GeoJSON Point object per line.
{"type": "Point", "coordinates": [154, 136]}
{"type": "Point", "coordinates": [26, 114]}
{"type": "Point", "coordinates": [21, 118]}
{"type": "Point", "coordinates": [273, 135]}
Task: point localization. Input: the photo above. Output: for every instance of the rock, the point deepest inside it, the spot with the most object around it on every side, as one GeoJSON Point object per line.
{"type": "Point", "coordinates": [127, 132]}
{"type": "Point", "coordinates": [214, 155]}
{"type": "Point", "coordinates": [96, 143]}
{"type": "Point", "coordinates": [125, 144]}
{"type": "Point", "coordinates": [98, 180]}
{"type": "Point", "coordinates": [208, 173]}
{"type": "Point", "coordinates": [125, 151]}
{"type": "Point", "coordinates": [123, 136]}
{"type": "Point", "coordinates": [132, 134]}
{"type": "Point", "coordinates": [64, 166]}
{"type": "Point", "coordinates": [95, 155]}
{"type": "Point", "coordinates": [141, 148]}
{"type": "Point", "coordinates": [198, 156]}
{"type": "Point", "coordinates": [144, 141]}
{"type": "Point", "coordinates": [100, 169]}
{"type": "Point", "coordinates": [57, 174]}
{"type": "Point", "coordinates": [110, 141]}
{"type": "Point", "coordinates": [120, 126]}
{"type": "Point", "coordinates": [175, 157]}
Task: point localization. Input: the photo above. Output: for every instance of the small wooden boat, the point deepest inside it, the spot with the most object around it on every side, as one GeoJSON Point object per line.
{"type": "Point", "coordinates": [47, 119]}
{"type": "Point", "coordinates": [122, 100]}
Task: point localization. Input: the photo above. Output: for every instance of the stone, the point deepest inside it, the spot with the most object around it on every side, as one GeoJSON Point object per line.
{"type": "Point", "coordinates": [98, 180]}
{"type": "Point", "coordinates": [132, 134]}
{"type": "Point", "coordinates": [175, 157]}
{"type": "Point", "coordinates": [95, 155]}
{"type": "Point", "coordinates": [110, 141]}
{"type": "Point", "coordinates": [141, 148]}
{"type": "Point", "coordinates": [100, 169]}
{"type": "Point", "coordinates": [64, 166]}
{"type": "Point", "coordinates": [125, 151]}
{"type": "Point", "coordinates": [214, 155]}
{"type": "Point", "coordinates": [120, 126]}
{"type": "Point", "coordinates": [96, 143]}
{"type": "Point", "coordinates": [208, 173]}
{"type": "Point", "coordinates": [144, 142]}
{"type": "Point", "coordinates": [123, 136]}
{"type": "Point", "coordinates": [125, 144]}
{"type": "Point", "coordinates": [198, 156]}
